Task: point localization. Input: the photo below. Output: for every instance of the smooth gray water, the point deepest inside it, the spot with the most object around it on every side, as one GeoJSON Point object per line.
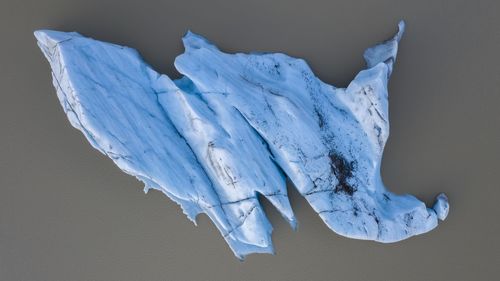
{"type": "Point", "coordinates": [67, 213]}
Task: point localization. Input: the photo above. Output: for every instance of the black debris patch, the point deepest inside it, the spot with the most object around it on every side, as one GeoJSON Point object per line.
{"type": "Point", "coordinates": [343, 170]}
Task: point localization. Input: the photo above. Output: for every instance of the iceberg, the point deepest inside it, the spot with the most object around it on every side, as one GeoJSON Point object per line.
{"type": "Point", "coordinates": [234, 127]}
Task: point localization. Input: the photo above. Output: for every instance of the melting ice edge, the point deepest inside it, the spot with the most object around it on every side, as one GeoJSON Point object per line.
{"type": "Point", "coordinates": [234, 126]}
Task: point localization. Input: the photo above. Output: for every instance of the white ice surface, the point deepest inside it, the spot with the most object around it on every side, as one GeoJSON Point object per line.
{"type": "Point", "coordinates": [234, 126]}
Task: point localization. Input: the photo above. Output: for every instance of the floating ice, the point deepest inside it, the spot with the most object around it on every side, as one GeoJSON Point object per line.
{"type": "Point", "coordinates": [234, 126]}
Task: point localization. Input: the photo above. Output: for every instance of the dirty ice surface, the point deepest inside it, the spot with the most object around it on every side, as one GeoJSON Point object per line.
{"type": "Point", "coordinates": [234, 126]}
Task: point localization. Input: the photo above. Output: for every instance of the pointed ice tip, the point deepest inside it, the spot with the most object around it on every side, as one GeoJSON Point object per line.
{"type": "Point", "coordinates": [188, 34]}
{"type": "Point", "coordinates": [50, 38]}
{"type": "Point", "coordinates": [401, 30]}
{"type": "Point", "coordinates": [192, 40]}
{"type": "Point", "coordinates": [386, 51]}
{"type": "Point", "coordinates": [441, 207]}
{"type": "Point", "coordinates": [294, 224]}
